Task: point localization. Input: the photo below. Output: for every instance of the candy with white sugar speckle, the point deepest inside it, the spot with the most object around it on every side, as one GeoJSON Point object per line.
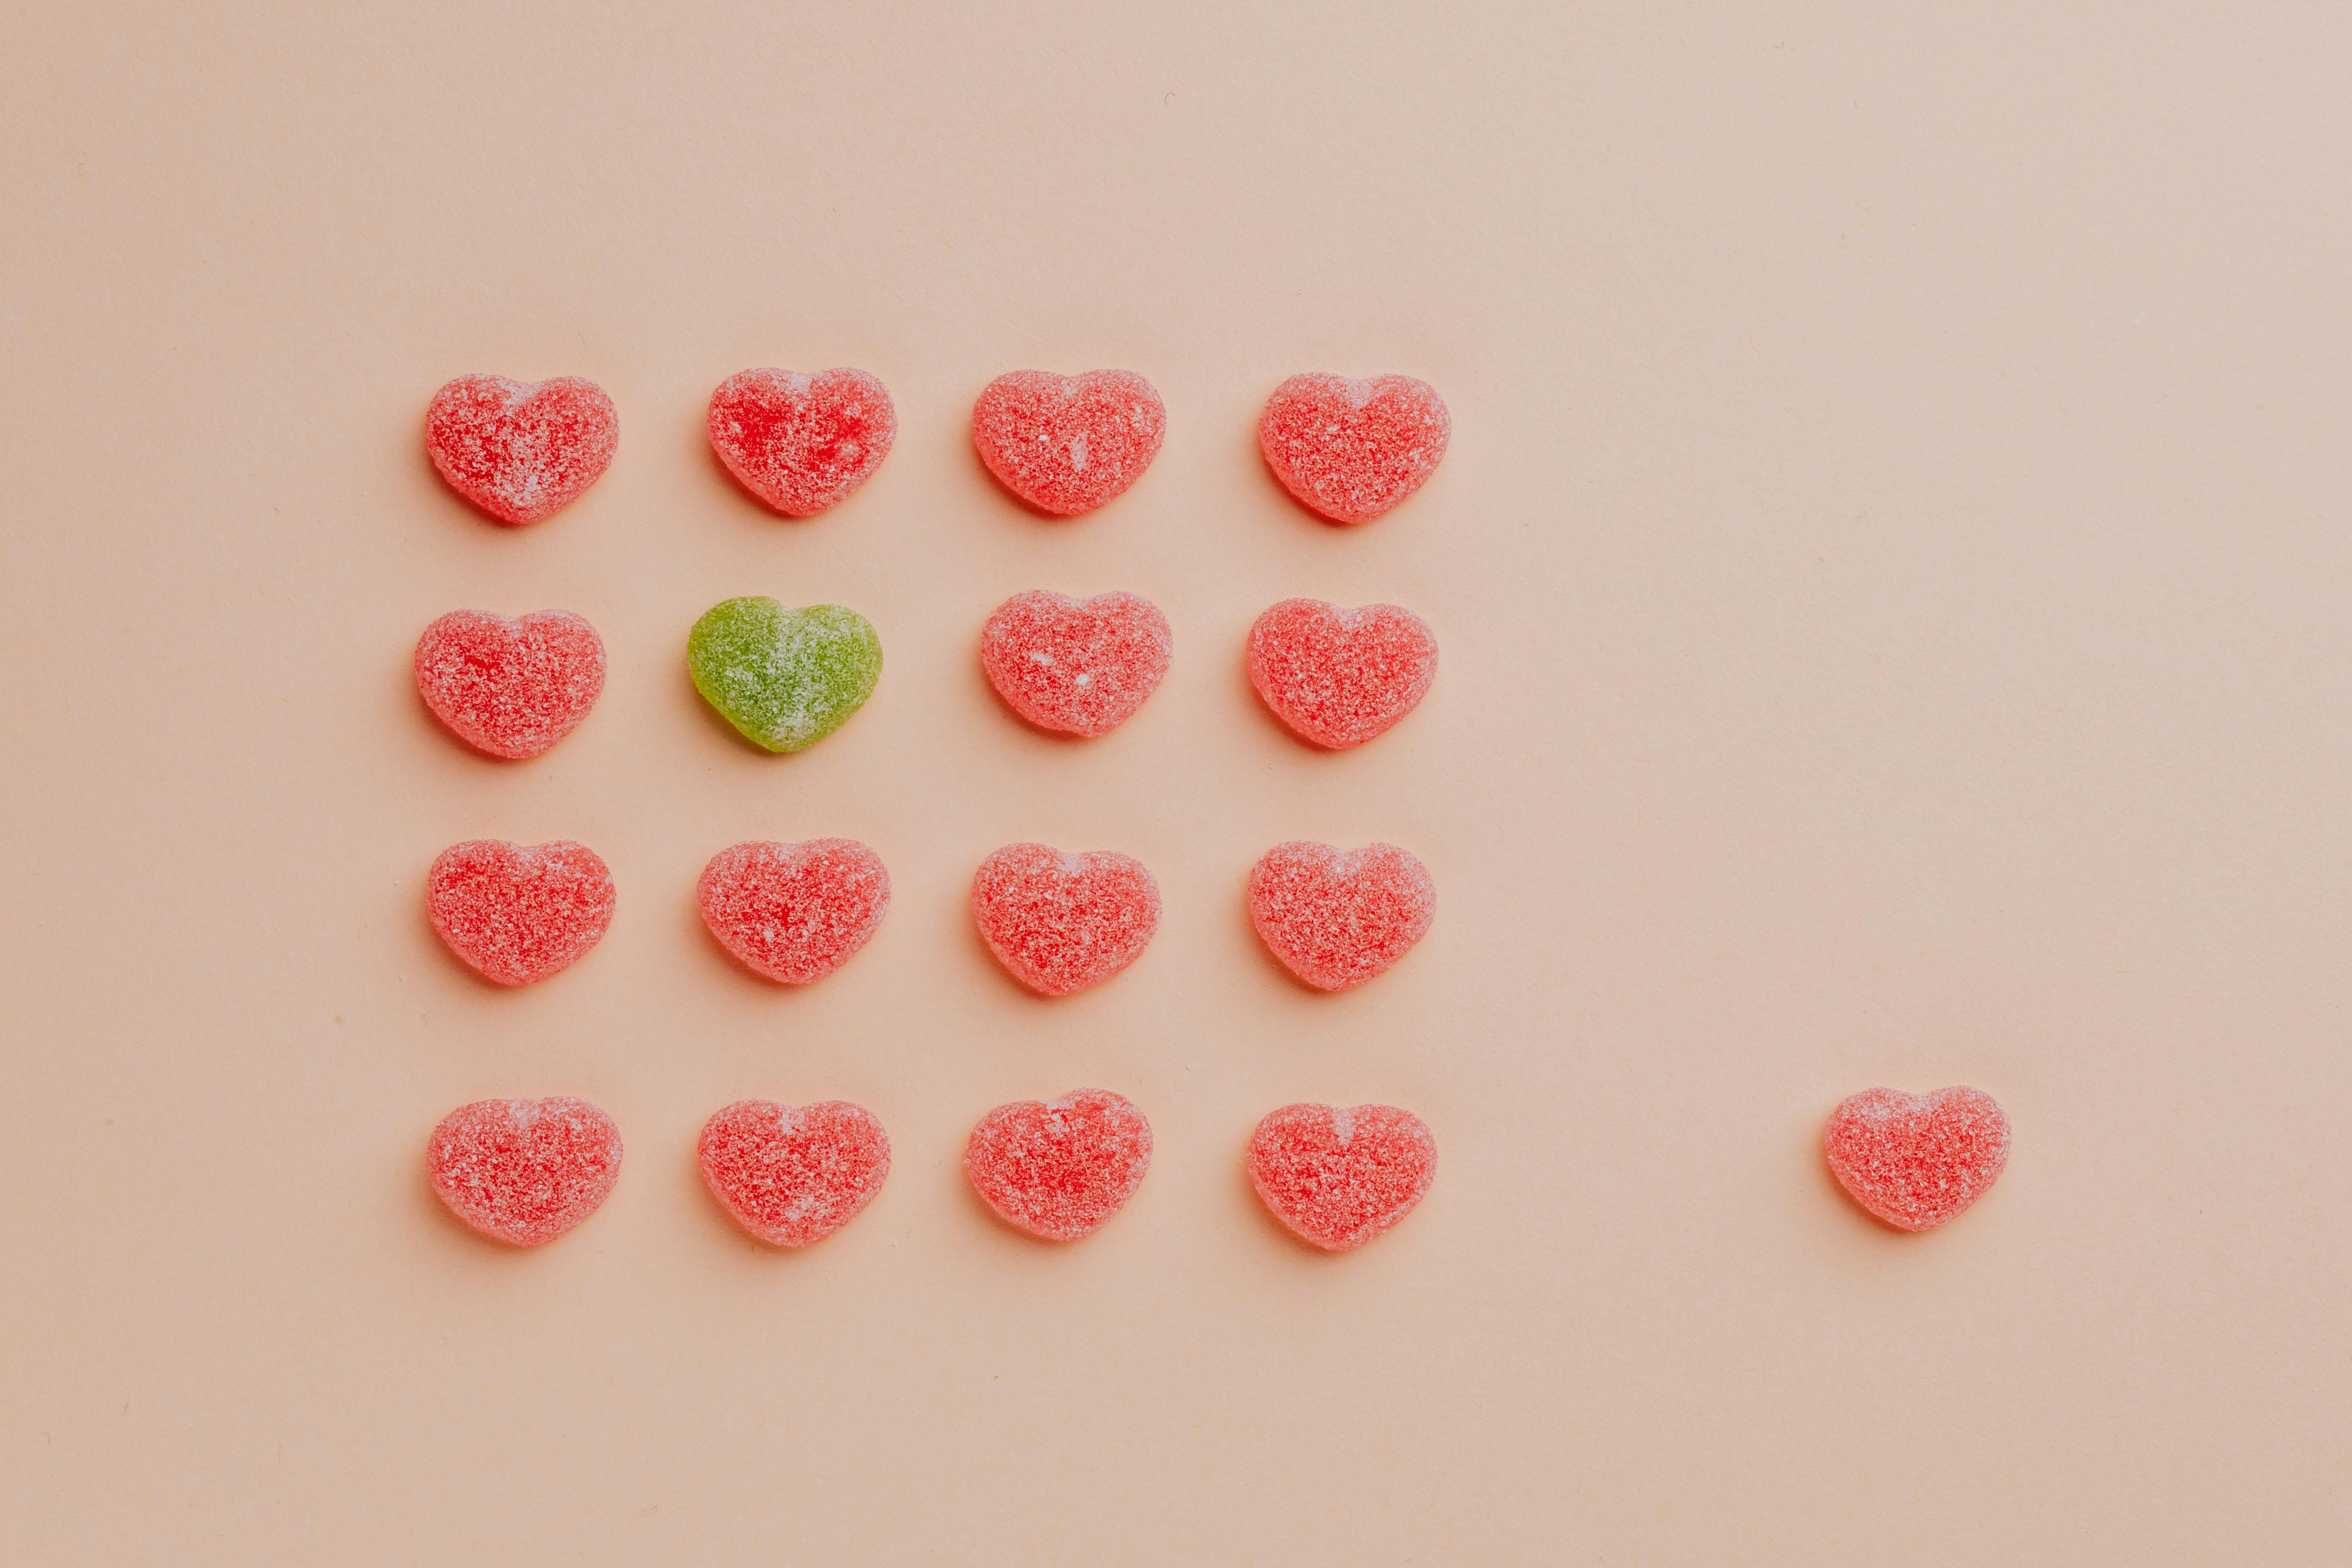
{"type": "Point", "coordinates": [1078, 665]}
{"type": "Point", "coordinates": [519, 912]}
{"type": "Point", "coordinates": [1915, 1161]}
{"type": "Point", "coordinates": [1067, 444]}
{"type": "Point", "coordinates": [521, 450]}
{"type": "Point", "coordinates": [1059, 1168]}
{"type": "Point", "coordinates": [801, 442]}
{"type": "Point", "coordinates": [1063, 922]}
{"type": "Point", "coordinates": [794, 913]}
{"type": "Point", "coordinates": [1341, 676]}
{"type": "Point", "coordinates": [785, 677]}
{"type": "Point", "coordinates": [1337, 917]}
{"type": "Point", "coordinates": [524, 1170]}
{"type": "Point", "coordinates": [1352, 449]}
{"type": "Point", "coordinates": [1339, 1175]}
{"type": "Point", "coordinates": [511, 687]}
{"type": "Point", "coordinates": [793, 1174]}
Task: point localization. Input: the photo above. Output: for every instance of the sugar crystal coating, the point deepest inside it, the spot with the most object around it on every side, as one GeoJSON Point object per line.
{"type": "Point", "coordinates": [1337, 917]}
{"type": "Point", "coordinates": [793, 1174]}
{"type": "Point", "coordinates": [1352, 449]}
{"type": "Point", "coordinates": [794, 913]}
{"type": "Point", "coordinates": [1338, 1175]}
{"type": "Point", "coordinates": [802, 442]}
{"type": "Point", "coordinates": [1059, 1168]}
{"type": "Point", "coordinates": [1067, 444]}
{"type": "Point", "coordinates": [1063, 922]}
{"type": "Point", "coordinates": [1078, 665]}
{"type": "Point", "coordinates": [1916, 1160]}
{"type": "Point", "coordinates": [521, 450]}
{"type": "Point", "coordinates": [524, 1170]}
{"type": "Point", "coordinates": [785, 677]}
{"type": "Point", "coordinates": [1341, 676]}
{"type": "Point", "coordinates": [519, 912]}
{"type": "Point", "coordinates": [511, 687]}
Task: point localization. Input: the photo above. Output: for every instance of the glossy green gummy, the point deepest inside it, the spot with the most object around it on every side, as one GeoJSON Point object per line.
{"type": "Point", "coordinates": [786, 677]}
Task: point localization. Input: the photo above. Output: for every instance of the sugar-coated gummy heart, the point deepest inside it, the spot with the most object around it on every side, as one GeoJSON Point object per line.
{"type": "Point", "coordinates": [785, 677]}
{"type": "Point", "coordinates": [1339, 677]}
{"type": "Point", "coordinates": [1063, 922]}
{"type": "Point", "coordinates": [1059, 1168]}
{"type": "Point", "coordinates": [1339, 1175]}
{"type": "Point", "coordinates": [1335, 917]}
{"type": "Point", "coordinates": [802, 442]}
{"type": "Point", "coordinates": [1918, 1159]}
{"type": "Point", "coordinates": [524, 1170]}
{"type": "Point", "coordinates": [521, 450]}
{"type": "Point", "coordinates": [512, 688]}
{"type": "Point", "coordinates": [1352, 449]}
{"type": "Point", "coordinates": [793, 1174]}
{"type": "Point", "coordinates": [1079, 665]}
{"type": "Point", "coordinates": [1067, 444]}
{"type": "Point", "coordinates": [519, 912]}
{"type": "Point", "coordinates": [794, 913]}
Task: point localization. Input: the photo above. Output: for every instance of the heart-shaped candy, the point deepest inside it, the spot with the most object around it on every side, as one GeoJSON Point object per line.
{"type": "Point", "coordinates": [521, 450]}
{"type": "Point", "coordinates": [1067, 444]}
{"type": "Point", "coordinates": [519, 912]}
{"type": "Point", "coordinates": [1918, 1159]}
{"type": "Point", "coordinates": [1352, 449]}
{"type": "Point", "coordinates": [512, 688]}
{"type": "Point", "coordinates": [794, 913]}
{"type": "Point", "coordinates": [785, 677]}
{"type": "Point", "coordinates": [1063, 922]}
{"type": "Point", "coordinates": [1341, 676]}
{"type": "Point", "coordinates": [1337, 918]}
{"type": "Point", "coordinates": [793, 1175]}
{"type": "Point", "coordinates": [524, 1170]}
{"type": "Point", "coordinates": [1339, 1175]}
{"type": "Point", "coordinates": [1079, 665]}
{"type": "Point", "coordinates": [1059, 1168]}
{"type": "Point", "coordinates": [802, 442]}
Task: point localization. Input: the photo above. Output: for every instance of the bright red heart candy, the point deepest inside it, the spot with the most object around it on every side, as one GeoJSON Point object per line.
{"type": "Point", "coordinates": [517, 913]}
{"type": "Point", "coordinates": [793, 1174]}
{"type": "Point", "coordinates": [524, 1170]}
{"type": "Point", "coordinates": [1067, 444]}
{"type": "Point", "coordinates": [1059, 1168]}
{"type": "Point", "coordinates": [1918, 1159]}
{"type": "Point", "coordinates": [1079, 665]}
{"type": "Point", "coordinates": [1340, 1175]}
{"type": "Point", "coordinates": [794, 913]}
{"type": "Point", "coordinates": [1352, 449]}
{"type": "Point", "coordinates": [1063, 922]}
{"type": "Point", "coordinates": [1337, 918]}
{"type": "Point", "coordinates": [512, 688]}
{"type": "Point", "coordinates": [521, 450]}
{"type": "Point", "coordinates": [802, 442]}
{"type": "Point", "coordinates": [1339, 677]}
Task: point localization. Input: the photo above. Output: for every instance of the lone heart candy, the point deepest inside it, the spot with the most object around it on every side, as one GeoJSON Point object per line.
{"type": "Point", "coordinates": [512, 688]}
{"type": "Point", "coordinates": [519, 913]}
{"type": "Point", "coordinates": [521, 450]}
{"type": "Point", "coordinates": [1341, 676]}
{"type": "Point", "coordinates": [794, 913]}
{"type": "Point", "coordinates": [802, 442]}
{"type": "Point", "coordinates": [1079, 665]}
{"type": "Point", "coordinates": [1337, 917]}
{"type": "Point", "coordinates": [1063, 922]}
{"type": "Point", "coordinates": [1352, 449]}
{"type": "Point", "coordinates": [1059, 1168]}
{"type": "Point", "coordinates": [793, 1175]}
{"type": "Point", "coordinates": [785, 677]}
{"type": "Point", "coordinates": [1918, 1159]}
{"type": "Point", "coordinates": [1067, 444]}
{"type": "Point", "coordinates": [524, 1170]}
{"type": "Point", "coordinates": [1339, 1176]}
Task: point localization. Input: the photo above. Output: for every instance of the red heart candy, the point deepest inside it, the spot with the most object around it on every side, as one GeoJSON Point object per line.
{"type": "Point", "coordinates": [1067, 444]}
{"type": "Point", "coordinates": [1341, 676]}
{"type": "Point", "coordinates": [1340, 1175]}
{"type": "Point", "coordinates": [1918, 1159]}
{"type": "Point", "coordinates": [521, 450]}
{"type": "Point", "coordinates": [1059, 1168]}
{"type": "Point", "coordinates": [794, 913]}
{"type": "Point", "coordinates": [517, 912]}
{"type": "Point", "coordinates": [1063, 922]}
{"type": "Point", "coordinates": [513, 688]}
{"type": "Point", "coordinates": [524, 1170]}
{"type": "Point", "coordinates": [802, 442]}
{"type": "Point", "coordinates": [793, 1174]}
{"type": "Point", "coordinates": [1337, 918]}
{"type": "Point", "coordinates": [1080, 666]}
{"type": "Point", "coordinates": [1352, 449]}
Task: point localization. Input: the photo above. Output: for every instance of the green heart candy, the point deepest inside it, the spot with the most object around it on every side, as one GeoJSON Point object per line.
{"type": "Point", "coordinates": [786, 677]}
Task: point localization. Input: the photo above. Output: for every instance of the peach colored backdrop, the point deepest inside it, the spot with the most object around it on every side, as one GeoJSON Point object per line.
{"type": "Point", "coordinates": [1892, 571]}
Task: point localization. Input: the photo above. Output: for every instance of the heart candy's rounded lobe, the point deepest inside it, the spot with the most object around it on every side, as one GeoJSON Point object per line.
{"type": "Point", "coordinates": [785, 677]}
{"type": "Point", "coordinates": [524, 1170]}
{"type": "Point", "coordinates": [521, 450]}
{"type": "Point", "coordinates": [1341, 676]}
{"type": "Point", "coordinates": [1337, 917]}
{"type": "Point", "coordinates": [793, 1174]}
{"type": "Point", "coordinates": [1916, 1161]}
{"type": "Point", "coordinates": [1063, 922]}
{"type": "Point", "coordinates": [519, 912]}
{"type": "Point", "coordinates": [1077, 666]}
{"type": "Point", "coordinates": [1067, 444]}
{"type": "Point", "coordinates": [802, 443]}
{"type": "Point", "coordinates": [794, 913]}
{"type": "Point", "coordinates": [1339, 1175]}
{"type": "Point", "coordinates": [1059, 1168]}
{"type": "Point", "coordinates": [511, 686]}
{"type": "Point", "coordinates": [1352, 449]}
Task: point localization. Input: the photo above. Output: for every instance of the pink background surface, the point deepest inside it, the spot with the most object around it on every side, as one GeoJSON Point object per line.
{"type": "Point", "coordinates": [1891, 576]}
